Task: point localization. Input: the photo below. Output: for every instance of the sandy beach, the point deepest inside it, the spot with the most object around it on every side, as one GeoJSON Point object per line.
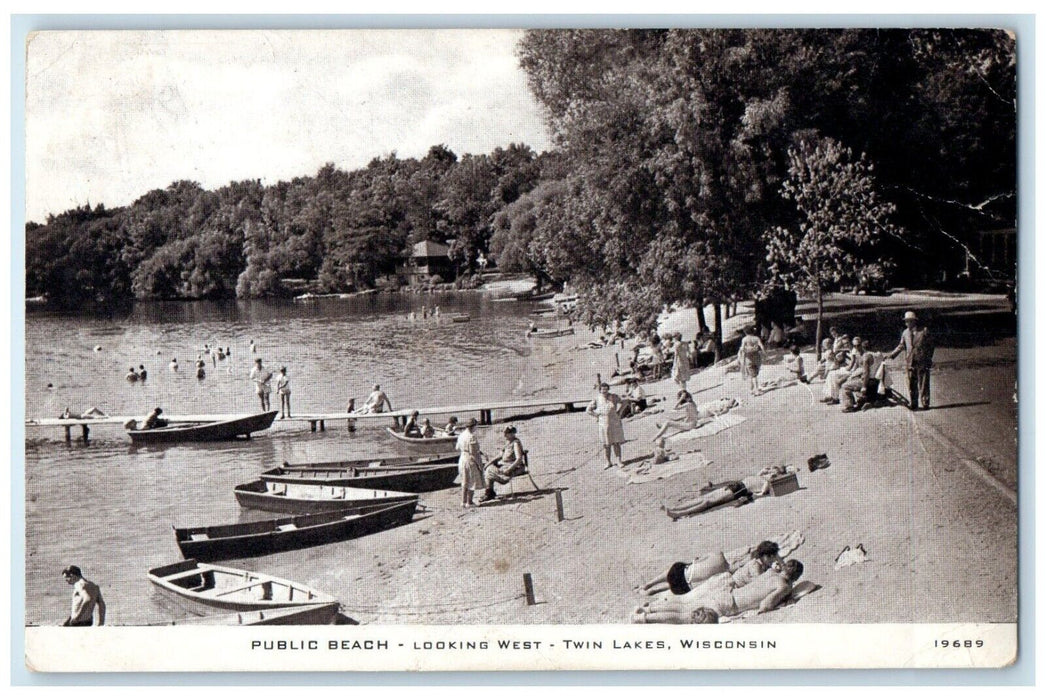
{"type": "Point", "coordinates": [930, 496]}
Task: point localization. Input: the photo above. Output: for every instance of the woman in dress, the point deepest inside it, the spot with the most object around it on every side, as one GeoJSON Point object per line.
{"type": "Point", "coordinates": [605, 408]}
{"type": "Point", "coordinates": [681, 363]}
{"type": "Point", "coordinates": [750, 356]}
{"type": "Point", "coordinates": [470, 464]}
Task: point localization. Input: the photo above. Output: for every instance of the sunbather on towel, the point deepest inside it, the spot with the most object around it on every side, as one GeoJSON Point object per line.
{"type": "Point", "coordinates": [690, 420]}
{"type": "Point", "coordinates": [682, 577]}
{"type": "Point", "coordinates": [763, 594]}
{"type": "Point", "coordinates": [744, 491]}
{"type": "Point", "coordinates": [711, 497]}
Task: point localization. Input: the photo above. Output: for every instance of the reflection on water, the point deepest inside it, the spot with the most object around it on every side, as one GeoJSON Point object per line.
{"type": "Point", "coordinates": [109, 507]}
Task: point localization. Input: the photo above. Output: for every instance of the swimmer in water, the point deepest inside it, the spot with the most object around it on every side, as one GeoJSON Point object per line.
{"type": "Point", "coordinates": [131, 376]}
{"type": "Point", "coordinates": [174, 364]}
{"type": "Point", "coordinates": [142, 374]}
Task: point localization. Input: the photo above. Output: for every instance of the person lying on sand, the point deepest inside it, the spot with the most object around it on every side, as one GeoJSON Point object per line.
{"type": "Point", "coordinates": [763, 594]}
{"type": "Point", "coordinates": [744, 491]}
{"type": "Point", "coordinates": [682, 577]}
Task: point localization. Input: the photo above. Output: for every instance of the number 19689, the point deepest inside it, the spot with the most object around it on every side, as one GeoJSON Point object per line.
{"type": "Point", "coordinates": [959, 643]}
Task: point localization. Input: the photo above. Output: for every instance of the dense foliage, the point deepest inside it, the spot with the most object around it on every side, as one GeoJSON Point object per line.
{"type": "Point", "coordinates": [341, 230]}
{"type": "Point", "coordinates": [677, 146]}
{"type": "Point", "coordinates": [690, 166]}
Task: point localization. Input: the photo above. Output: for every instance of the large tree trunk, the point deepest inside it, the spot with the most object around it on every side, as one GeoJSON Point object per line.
{"type": "Point", "coordinates": [702, 324]}
{"type": "Point", "coordinates": [820, 314]}
{"type": "Point", "coordinates": [718, 312]}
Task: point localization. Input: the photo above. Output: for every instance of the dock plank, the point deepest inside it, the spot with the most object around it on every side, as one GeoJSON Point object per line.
{"type": "Point", "coordinates": [315, 417]}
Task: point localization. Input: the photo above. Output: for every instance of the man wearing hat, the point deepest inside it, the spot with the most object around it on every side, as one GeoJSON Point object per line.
{"type": "Point", "coordinates": [86, 596]}
{"type": "Point", "coordinates": [917, 346]}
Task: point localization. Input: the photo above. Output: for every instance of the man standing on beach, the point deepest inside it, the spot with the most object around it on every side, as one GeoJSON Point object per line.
{"type": "Point", "coordinates": [86, 596]}
{"type": "Point", "coordinates": [917, 346]}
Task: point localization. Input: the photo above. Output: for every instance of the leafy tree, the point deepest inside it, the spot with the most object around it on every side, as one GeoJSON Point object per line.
{"type": "Point", "coordinates": [839, 214]}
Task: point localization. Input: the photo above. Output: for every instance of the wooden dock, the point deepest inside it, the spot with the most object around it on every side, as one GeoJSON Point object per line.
{"type": "Point", "coordinates": [318, 421]}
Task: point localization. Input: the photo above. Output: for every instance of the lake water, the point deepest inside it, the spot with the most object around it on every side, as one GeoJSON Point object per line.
{"type": "Point", "coordinates": [109, 507]}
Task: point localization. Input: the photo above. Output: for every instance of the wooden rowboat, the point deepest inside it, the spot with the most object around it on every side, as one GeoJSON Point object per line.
{"type": "Point", "coordinates": [439, 441]}
{"type": "Point", "coordinates": [412, 474]}
{"type": "Point", "coordinates": [320, 614]}
{"type": "Point", "coordinates": [201, 432]}
{"type": "Point", "coordinates": [204, 588]}
{"type": "Point", "coordinates": [260, 537]}
{"type": "Point", "coordinates": [551, 333]}
{"type": "Point", "coordinates": [460, 318]}
{"type": "Point", "coordinates": [276, 497]}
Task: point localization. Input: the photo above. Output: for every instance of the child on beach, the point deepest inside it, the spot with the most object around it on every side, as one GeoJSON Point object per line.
{"type": "Point", "coordinates": [283, 390]}
{"type": "Point", "coordinates": [794, 362]}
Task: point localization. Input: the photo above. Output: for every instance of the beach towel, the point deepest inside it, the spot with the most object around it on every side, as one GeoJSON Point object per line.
{"type": "Point", "coordinates": [647, 471]}
{"type": "Point", "coordinates": [850, 556]}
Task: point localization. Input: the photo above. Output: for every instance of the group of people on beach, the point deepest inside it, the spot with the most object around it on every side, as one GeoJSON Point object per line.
{"type": "Point", "coordinates": [712, 587]}
{"type": "Point", "coordinates": [479, 475]}
{"type": "Point", "coordinates": [853, 373]}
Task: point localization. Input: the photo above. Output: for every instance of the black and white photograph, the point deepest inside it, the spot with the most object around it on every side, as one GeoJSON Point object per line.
{"type": "Point", "coordinates": [507, 348]}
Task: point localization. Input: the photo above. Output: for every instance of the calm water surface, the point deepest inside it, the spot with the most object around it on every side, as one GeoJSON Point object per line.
{"type": "Point", "coordinates": [109, 507]}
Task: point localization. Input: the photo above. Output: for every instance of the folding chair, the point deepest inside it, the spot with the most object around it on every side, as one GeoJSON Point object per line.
{"type": "Point", "coordinates": [525, 472]}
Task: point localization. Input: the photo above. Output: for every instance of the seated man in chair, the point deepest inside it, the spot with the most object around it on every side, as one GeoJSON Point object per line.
{"type": "Point", "coordinates": [500, 470]}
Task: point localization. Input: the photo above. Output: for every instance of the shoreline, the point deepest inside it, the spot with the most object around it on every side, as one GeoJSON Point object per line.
{"type": "Point", "coordinates": [884, 490]}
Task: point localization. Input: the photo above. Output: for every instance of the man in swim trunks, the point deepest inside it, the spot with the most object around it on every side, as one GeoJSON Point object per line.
{"type": "Point", "coordinates": [763, 594]}
{"type": "Point", "coordinates": [86, 597]}
{"type": "Point", "coordinates": [683, 577]}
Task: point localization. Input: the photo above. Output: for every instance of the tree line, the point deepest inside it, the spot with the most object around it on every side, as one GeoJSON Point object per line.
{"type": "Point", "coordinates": [342, 230]}
{"type": "Point", "coordinates": [689, 166]}
{"type": "Point", "coordinates": [700, 166]}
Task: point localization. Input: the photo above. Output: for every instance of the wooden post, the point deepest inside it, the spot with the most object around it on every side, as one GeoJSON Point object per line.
{"type": "Point", "coordinates": [323, 426]}
{"type": "Point", "coordinates": [599, 380]}
{"type": "Point", "coordinates": [528, 589]}
{"type": "Point", "coordinates": [87, 432]}
{"type": "Point", "coordinates": [559, 506]}
{"type": "Point", "coordinates": [68, 433]}
{"type": "Point", "coordinates": [312, 425]}
{"type": "Point", "coordinates": [617, 361]}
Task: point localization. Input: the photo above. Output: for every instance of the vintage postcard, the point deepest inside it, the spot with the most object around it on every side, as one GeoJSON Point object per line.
{"type": "Point", "coordinates": [493, 349]}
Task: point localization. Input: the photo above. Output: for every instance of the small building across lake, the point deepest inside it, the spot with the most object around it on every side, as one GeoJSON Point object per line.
{"type": "Point", "coordinates": [427, 258]}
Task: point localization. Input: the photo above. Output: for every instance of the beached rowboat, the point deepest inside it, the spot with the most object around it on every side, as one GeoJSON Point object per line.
{"type": "Point", "coordinates": [412, 474]}
{"type": "Point", "coordinates": [276, 497]}
{"type": "Point", "coordinates": [201, 432]}
{"type": "Point", "coordinates": [551, 333]}
{"type": "Point", "coordinates": [204, 588]}
{"type": "Point", "coordinates": [260, 537]}
{"type": "Point", "coordinates": [439, 441]}
{"type": "Point", "coordinates": [321, 614]}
